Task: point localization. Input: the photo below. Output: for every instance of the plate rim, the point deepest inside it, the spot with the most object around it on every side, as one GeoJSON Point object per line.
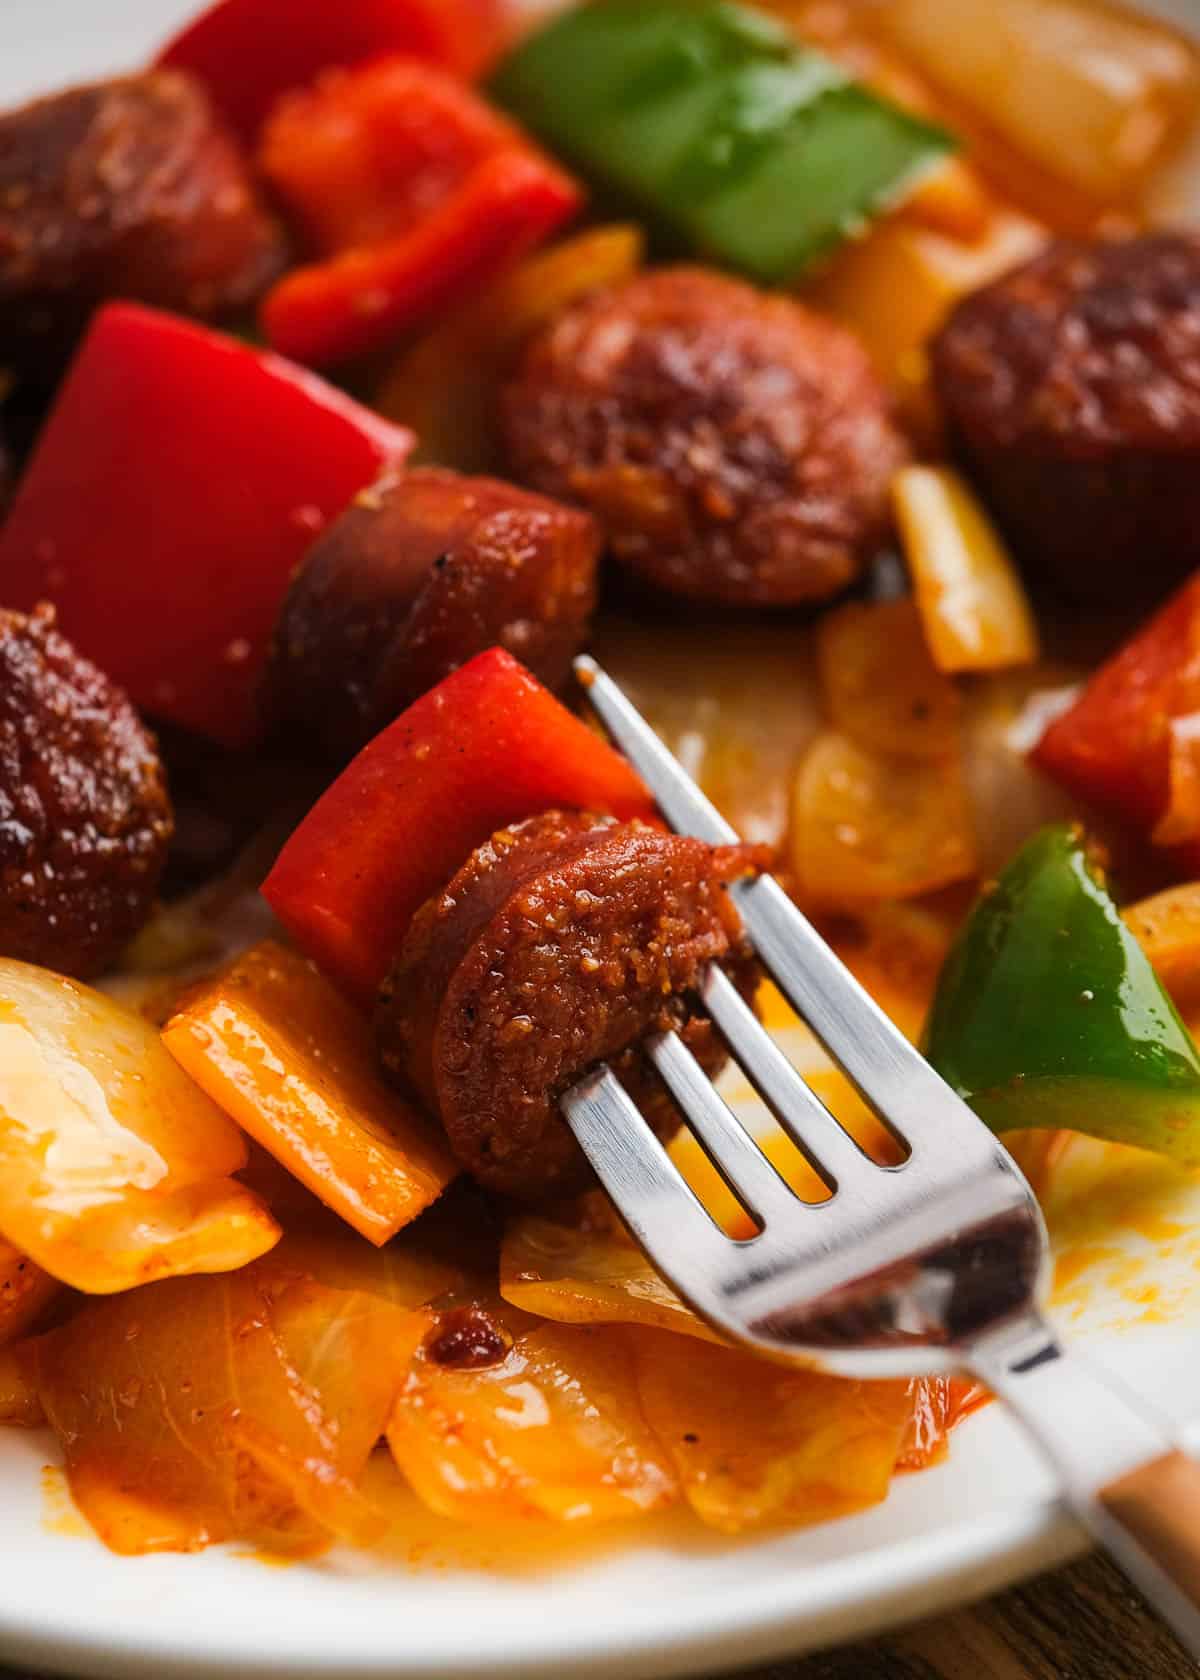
{"type": "Point", "coordinates": [897, 1582]}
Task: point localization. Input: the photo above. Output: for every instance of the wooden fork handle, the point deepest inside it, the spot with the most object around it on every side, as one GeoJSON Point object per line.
{"type": "Point", "coordinates": [1159, 1505]}
{"type": "Point", "coordinates": [1120, 1464]}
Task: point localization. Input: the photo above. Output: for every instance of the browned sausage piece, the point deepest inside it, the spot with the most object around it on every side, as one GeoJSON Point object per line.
{"type": "Point", "coordinates": [130, 188]}
{"type": "Point", "coordinates": [735, 446]}
{"type": "Point", "coordinates": [561, 942]}
{"type": "Point", "coordinates": [422, 572]}
{"type": "Point", "coordinates": [84, 817]}
{"type": "Point", "coordinates": [1072, 388]}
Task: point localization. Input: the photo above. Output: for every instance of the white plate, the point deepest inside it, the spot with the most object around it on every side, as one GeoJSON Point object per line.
{"type": "Point", "coordinates": [660, 1602]}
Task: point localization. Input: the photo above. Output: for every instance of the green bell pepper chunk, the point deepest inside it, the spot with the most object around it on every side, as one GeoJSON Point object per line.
{"type": "Point", "coordinates": [713, 121]}
{"type": "Point", "coordinates": [1048, 1012]}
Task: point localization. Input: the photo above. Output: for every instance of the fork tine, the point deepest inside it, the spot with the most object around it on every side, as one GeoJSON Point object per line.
{"type": "Point", "coordinates": [909, 1096]}
{"type": "Point", "coordinates": [652, 1195]}
{"type": "Point", "coordinates": [677, 795]}
{"type": "Point", "coordinates": [905, 1091]}
{"type": "Point", "coordinates": [724, 1139]}
{"type": "Point", "coordinates": [818, 1135]}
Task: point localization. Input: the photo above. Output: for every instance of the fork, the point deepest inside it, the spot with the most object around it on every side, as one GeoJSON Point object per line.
{"type": "Point", "coordinates": [938, 1264]}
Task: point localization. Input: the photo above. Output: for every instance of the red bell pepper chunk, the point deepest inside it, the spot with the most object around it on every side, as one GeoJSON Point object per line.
{"type": "Point", "coordinates": [1113, 746]}
{"type": "Point", "coordinates": [176, 484]}
{"type": "Point", "coordinates": [366, 154]}
{"type": "Point", "coordinates": [486, 747]}
{"type": "Point", "coordinates": [414, 190]}
{"type": "Point", "coordinates": [251, 51]}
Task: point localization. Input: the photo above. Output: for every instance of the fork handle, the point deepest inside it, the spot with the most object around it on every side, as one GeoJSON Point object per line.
{"type": "Point", "coordinates": [1159, 1505]}
{"type": "Point", "coordinates": [1122, 1469]}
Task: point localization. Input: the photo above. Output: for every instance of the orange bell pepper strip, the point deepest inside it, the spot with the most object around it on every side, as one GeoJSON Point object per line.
{"type": "Point", "coordinates": [486, 747]}
{"type": "Point", "coordinates": [414, 191]}
{"type": "Point", "coordinates": [275, 1046]}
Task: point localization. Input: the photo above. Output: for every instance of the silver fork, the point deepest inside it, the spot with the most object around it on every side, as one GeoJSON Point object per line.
{"type": "Point", "coordinates": [935, 1265]}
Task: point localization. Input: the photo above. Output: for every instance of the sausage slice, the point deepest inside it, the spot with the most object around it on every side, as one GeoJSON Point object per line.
{"type": "Point", "coordinates": [425, 570]}
{"type": "Point", "coordinates": [85, 821]}
{"type": "Point", "coordinates": [129, 188]}
{"type": "Point", "coordinates": [562, 942]}
{"type": "Point", "coordinates": [1072, 389]}
{"type": "Point", "coordinates": [735, 446]}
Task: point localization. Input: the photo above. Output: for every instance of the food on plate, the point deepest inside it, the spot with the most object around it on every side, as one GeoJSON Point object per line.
{"type": "Point", "coordinates": [1167, 927]}
{"type": "Point", "coordinates": [411, 191]}
{"type": "Point", "coordinates": [562, 942]}
{"type": "Point", "coordinates": [589, 1272]}
{"type": "Point", "coordinates": [488, 746]}
{"type": "Point", "coordinates": [869, 826]}
{"type": "Point", "coordinates": [503, 1416]}
{"type": "Point", "coordinates": [86, 815]}
{"type": "Point", "coordinates": [734, 446]}
{"type": "Point", "coordinates": [362, 156]}
{"type": "Point", "coordinates": [1092, 94]}
{"type": "Point", "coordinates": [424, 570]}
{"type": "Point", "coordinates": [1127, 742]}
{"type": "Point", "coordinates": [1070, 389]}
{"type": "Point", "coordinates": [115, 1169]}
{"type": "Point", "coordinates": [1049, 1013]}
{"type": "Point", "coordinates": [718, 127]}
{"type": "Point", "coordinates": [219, 1408]}
{"type": "Point", "coordinates": [974, 610]}
{"type": "Point", "coordinates": [896, 285]}
{"type": "Point", "coordinates": [444, 387]}
{"type": "Point", "coordinates": [802, 347]}
{"type": "Point", "coordinates": [880, 683]}
{"type": "Point", "coordinates": [880, 805]}
{"type": "Point", "coordinates": [752, 1445]}
{"type": "Point", "coordinates": [275, 1046]}
{"type": "Point", "coordinates": [131, 188]}
{"type": "Point", "coordinates": [20, 1407]}
{"type": "Point", "coordinates": [171, 578]}
{"type": "Point", "coordinates": [25, 1291]}
{"type": "Point", "coordinates": [250, 52]}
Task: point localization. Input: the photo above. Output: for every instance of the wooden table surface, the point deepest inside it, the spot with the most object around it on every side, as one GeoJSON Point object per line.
{"type": "Point", "coordinates": [1082, 1623]}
